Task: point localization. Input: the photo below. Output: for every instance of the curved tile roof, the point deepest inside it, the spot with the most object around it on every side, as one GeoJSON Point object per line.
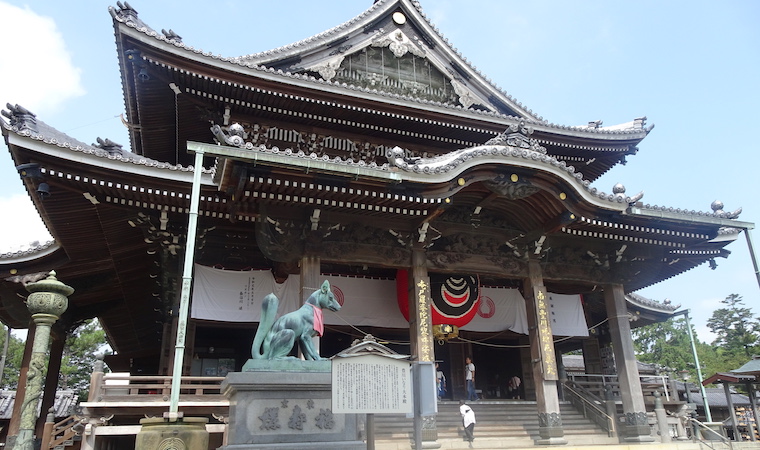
{"type": "Point", "coordinates": [29, 252]}
{"type": "Point", "coordinates": [648, 303]}
{"type": "Point", "coordinates": [40, 131]}
{"type": "Point", "coordinates": [256, 62]}
{"type": "Point", "coordinates": [51, 136]}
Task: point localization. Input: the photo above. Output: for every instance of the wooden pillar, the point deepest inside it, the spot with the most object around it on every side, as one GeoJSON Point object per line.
{"type": "Point", "coordinates": [543, 360]}
{"type": "Point", "coordinates": [636, 428]}
{"type": "Point", "coordinates": [166, 358]}
{"type": "Point", "coordinates": [420, 320]}
{"type": "Point", "coordinates": [14, 425]}
{"type": "Point", "coordinates": [421, 332]}
{"type": "Point", "coordinates": [310, 276]}
{"type": "Point", "coordinates": [753, 404]}
{"type": "Point", "coordinates": [310, 282]}
{"type": "Point", "coordinates": [51, 380]}
{"type": "Point", "coordinates": [732, 411]}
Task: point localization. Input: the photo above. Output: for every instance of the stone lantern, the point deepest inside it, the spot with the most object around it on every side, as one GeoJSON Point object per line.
{"type": "Point", "coordinates": [47, 301]}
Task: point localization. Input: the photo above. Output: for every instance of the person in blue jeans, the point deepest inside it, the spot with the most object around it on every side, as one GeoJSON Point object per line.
{"type": "Point", "coordinates": [469, 379]}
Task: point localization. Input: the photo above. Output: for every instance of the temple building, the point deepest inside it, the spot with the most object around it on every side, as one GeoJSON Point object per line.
{"type": "Point", "coordinates": [372, 155]}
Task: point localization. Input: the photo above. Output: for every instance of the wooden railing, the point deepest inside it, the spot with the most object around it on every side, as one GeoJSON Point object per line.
{"type": "Point", "coordinates": [61, 433]}
{"type": "Point", "coordinates": [124, 387]}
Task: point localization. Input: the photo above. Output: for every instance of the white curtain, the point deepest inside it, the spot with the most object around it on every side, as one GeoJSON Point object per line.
{"type": "Point", "coordinates": [232, 296]}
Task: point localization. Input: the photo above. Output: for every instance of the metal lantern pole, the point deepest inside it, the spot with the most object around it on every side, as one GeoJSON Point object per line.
{"type": "Point", "coordinates": [752, 254]}
{"type": "Point", "coordinates": [685, 313]}
{"type": "Point", "coordinates": [187, 277]}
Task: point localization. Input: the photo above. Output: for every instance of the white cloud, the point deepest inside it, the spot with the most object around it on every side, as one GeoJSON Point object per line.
{"type": "Point", "coordinates": [36, 67]}
{"type": "Point", "coordinates": [23, 226]}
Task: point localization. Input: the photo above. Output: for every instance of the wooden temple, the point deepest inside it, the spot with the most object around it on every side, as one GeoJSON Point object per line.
{"type": "Point", "coordinates": [373, 152]}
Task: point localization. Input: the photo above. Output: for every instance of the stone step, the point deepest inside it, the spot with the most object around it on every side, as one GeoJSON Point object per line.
{"type": "Point", "coordinates": [511, 420]}
{"type": "Point", "coordinates": [514, 444]}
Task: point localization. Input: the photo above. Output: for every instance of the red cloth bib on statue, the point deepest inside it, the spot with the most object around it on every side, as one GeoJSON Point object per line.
{"type": "Point", "coordinates": [319, 325]}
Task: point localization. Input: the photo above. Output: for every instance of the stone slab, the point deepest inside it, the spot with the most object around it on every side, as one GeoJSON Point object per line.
{"type": "Point", "coordinates": [286, 365]}
{"type": "Point", "coordinates": [286, 409]}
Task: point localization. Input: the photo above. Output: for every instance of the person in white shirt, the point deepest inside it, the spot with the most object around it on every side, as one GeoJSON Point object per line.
{"type": "Point", "coordinates": [468, 420]}
{"type": "Point", "coordinates": [469, 379]}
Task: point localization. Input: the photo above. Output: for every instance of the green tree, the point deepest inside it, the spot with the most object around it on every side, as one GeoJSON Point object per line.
{"type": "Point", "coordinates": [737, 331]}
{"type": "Point", "coordinates": [12, 360]}
{"type": "Point", "coordinates": [666, 343]}
{"type": "Point", "coordinates": [79, 353]}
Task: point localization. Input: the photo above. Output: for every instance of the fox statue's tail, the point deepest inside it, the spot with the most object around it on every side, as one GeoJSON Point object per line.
{"type": "Point", "coordinates": [268, 314]}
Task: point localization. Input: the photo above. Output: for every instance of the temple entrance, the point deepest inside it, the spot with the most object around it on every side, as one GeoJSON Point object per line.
{"type": "Point", "coordinates": [494, 367]}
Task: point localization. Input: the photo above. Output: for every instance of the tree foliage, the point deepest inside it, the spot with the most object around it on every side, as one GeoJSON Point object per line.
{"type": "Point", "coordinates": [668, 344]}
{"type": "Point", "coordinates": [77, 362]}
{"type": "Point", "coordinates": [736, 328]}
{"type": "Point", "coordinates": [12, 360]}
{"type": "Point", "coordinates": [79, 357]}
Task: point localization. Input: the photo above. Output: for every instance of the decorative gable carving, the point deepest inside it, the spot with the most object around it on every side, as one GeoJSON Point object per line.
{"type": "Point", "coordinates": [328, 69]}
{"type": "Point", "coordinates": [399, 43]}
{"type": "Point", "coordinates": [466, 97]}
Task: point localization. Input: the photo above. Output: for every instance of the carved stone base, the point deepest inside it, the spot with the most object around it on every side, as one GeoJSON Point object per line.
{"type": "Point", "coordinates": [550, 429]}
{"type": "Point", "coordinates": [551, 441]}
{"type": "Point", "coordinates": [637, 434]}
{"type": "Point", "coordinates": [426, 445]}
{"type": "Point", "coordinates": [429, 434]}
{"type": "Point", "coordinates": [293, 410]}
{"type": "Point", "coordinates": [636, 428]}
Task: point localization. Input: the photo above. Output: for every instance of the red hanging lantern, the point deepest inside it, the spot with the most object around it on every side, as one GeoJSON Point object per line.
{"type": "Point", "coordinates": [454, 301]}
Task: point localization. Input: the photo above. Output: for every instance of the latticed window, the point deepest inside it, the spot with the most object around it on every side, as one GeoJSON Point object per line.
{"type": "Point", "coordinates": [410, 75]}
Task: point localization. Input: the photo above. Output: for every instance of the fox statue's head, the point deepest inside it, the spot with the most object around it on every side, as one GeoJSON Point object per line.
{"type": "Point", "coordinates": [324, 298]}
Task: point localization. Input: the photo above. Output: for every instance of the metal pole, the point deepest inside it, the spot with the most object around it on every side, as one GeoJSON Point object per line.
{"type": "Point", "coordinates": [752, 254]}
{"type": "Point", "coordinates": [370, 431]}
{"type": "Point", "coordinates": [417, 405]}
{"type": "Point", "coordinates": [187, 277]}
{"type": "Point", "coordinates": [685, 313]}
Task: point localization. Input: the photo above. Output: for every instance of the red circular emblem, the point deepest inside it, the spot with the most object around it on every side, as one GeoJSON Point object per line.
{"type": "Point", "coordinates": [487, 307]}
{"type": "Point", "coordinates": [337, 293]}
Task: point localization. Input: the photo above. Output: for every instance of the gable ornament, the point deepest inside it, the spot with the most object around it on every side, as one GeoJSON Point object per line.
{"type": "Point", "coordinates": [399, 44]}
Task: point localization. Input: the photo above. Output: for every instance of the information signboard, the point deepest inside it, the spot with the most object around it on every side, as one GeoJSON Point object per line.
{"type": "Point", "coordinates": [371, 384]}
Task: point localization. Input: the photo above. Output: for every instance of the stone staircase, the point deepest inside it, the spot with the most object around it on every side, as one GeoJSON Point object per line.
{"type": "Point", "coordinates": [500, 424]}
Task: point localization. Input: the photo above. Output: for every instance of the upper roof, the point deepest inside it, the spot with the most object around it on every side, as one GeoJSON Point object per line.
{"type": "Point", "coordinates": [751, 367]}
{"type": "Point", "coordinates": [431, 99]}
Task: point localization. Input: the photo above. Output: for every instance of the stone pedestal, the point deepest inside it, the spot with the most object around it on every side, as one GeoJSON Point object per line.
{"type": "Point", "coordinates": [287, 408]}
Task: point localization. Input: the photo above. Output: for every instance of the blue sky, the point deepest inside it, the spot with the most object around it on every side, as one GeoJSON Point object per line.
{"type": "Point", "coordinates": [691, 67]}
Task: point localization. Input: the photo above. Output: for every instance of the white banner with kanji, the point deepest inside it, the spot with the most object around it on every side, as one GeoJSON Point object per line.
{"type": "Point", "coordinates": [236, 296]}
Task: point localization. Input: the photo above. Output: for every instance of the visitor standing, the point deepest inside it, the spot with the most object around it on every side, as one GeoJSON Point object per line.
{"type": "Point", "coordinates": [440, 380]}
{"type": "Point", "coordinates": [514, 387]}
{"type": "Point", "coordinates": [469, 379]}
{"type": "Point", "coordinates": [468, 421]}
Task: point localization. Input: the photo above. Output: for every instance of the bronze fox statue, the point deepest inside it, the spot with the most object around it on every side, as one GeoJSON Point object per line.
{"type": "Point", "coordinates": [275, 339]}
